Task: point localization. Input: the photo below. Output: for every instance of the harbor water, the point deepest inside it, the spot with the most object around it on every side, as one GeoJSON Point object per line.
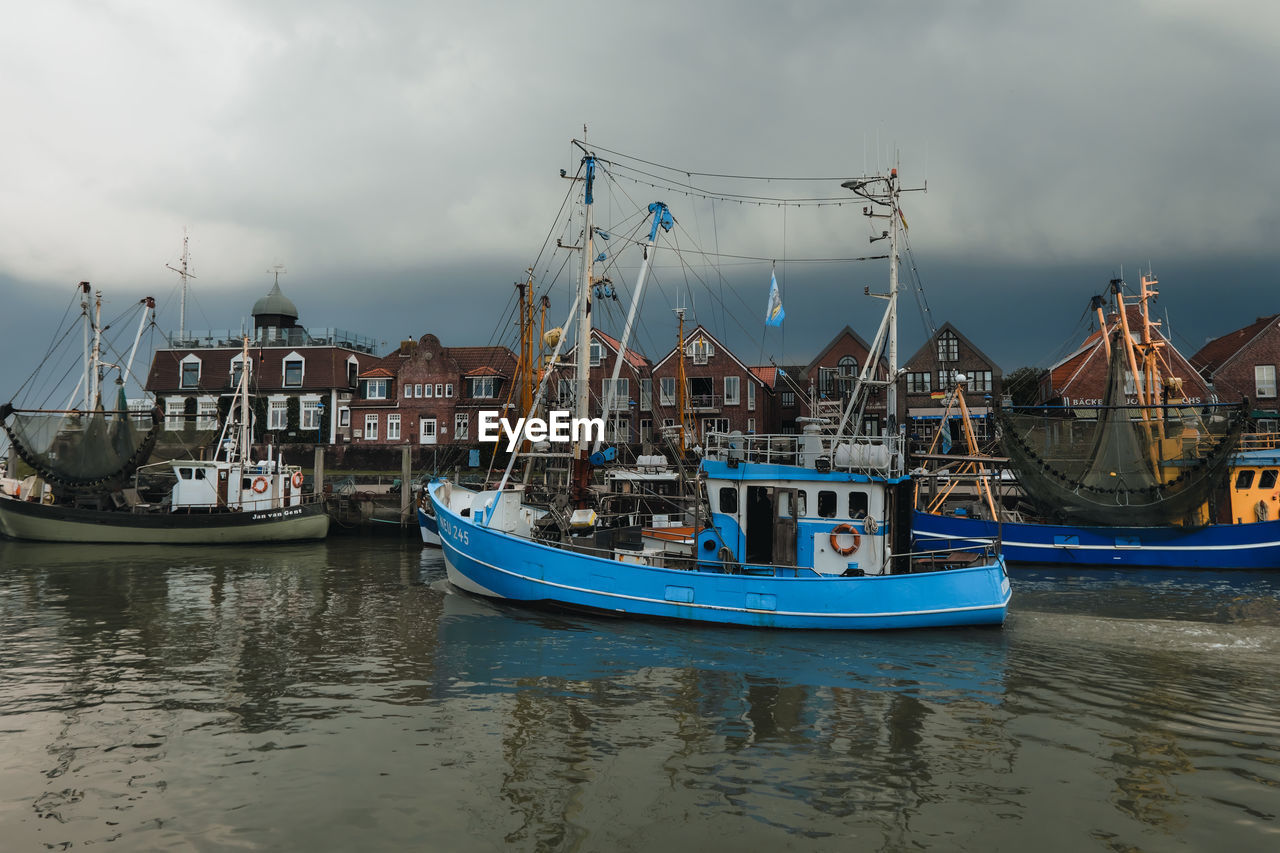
{"type": "Point", "coordinates": [339, 696]}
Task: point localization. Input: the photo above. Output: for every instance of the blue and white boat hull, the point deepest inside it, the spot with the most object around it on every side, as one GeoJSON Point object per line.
{"type": "Point", "coordinates": [495, 563]}
{"type": "Point", "coordinates": [1217, 546]}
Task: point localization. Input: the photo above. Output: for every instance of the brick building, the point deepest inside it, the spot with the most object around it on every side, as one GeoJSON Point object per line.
{"type": "Point", "coordinates": [425, 393]}
{"type": "Point", "coordinates": [1242, 364]}
{"type": "Point", "coordinates": [830, 378]}
{"type": "Point", "coordinates": [1080, 379]}
{"type": "Point", "coordinates": [302, 380]}
{"type": "Point", "coordinates": [723, 393]}
{"type": "Point", "coordinates": [929, 375]}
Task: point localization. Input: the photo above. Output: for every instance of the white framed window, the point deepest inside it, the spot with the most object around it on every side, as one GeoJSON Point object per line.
{"type": "Point", "coordinates": [371, 427]}
{"type": "Point", "coordinates": [619, 428]}
{"type": "Point", "coordinates": [948, 346]}
{"type": "Point", "coordinates": [751, 396]}
{"type": "Point", "coordinates": [482, 387]}
{"type": "Point", "coordinates": [448, 389]}
{"type": "Point", "coordinates": [621, 390]}
{"type": "Point", "coordinates": [597, 353]}
{"type": "Point", "coordinates": [236, 364]}
{"type": "Point", "coordinates": [667, 391]}
{"type": "Point", "coordinates": [1264, 380]}
{"type": "Point", "coordinates": [293, 370]}
{"type": "Point", "coordinates": [375, 389]}
{"type": "Point", "coordinates": [309, 410]}
{"type": "Point", "coordinates": [461, 426]}
{"type": "Point", "coordinates": [417, 389]}
{"type": "Point", "coordinates": [190, 372]}
{"type": "Point", "coordinates": [277, 413]}
{"type": "Point", "coordinates": [207, 413]}
{"type": "Point", "coordinates": [646, 395]}
{"type": "Point", "coordinates": [174, 412]}
{"type": "Point", "coordinates": [393, 427]}
{"type": "Point", "coordinates": [701, 350]}
{"type": "Point", "coordinates": [646, 429]}
{"type": "Point", "coordinates": [440, 390]}
{"type": "Point", "coordinates": [751, 425]}
{"type": "Point", "coordinates": [429, 390]}
{"type": "Point", "coordinates": [732, 390]}
{"type": "Point", "coordinates": [407, 391]}
{"type": "Point", "coordinates": [344, 416]}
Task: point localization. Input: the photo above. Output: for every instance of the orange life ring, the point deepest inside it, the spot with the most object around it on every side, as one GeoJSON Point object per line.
{"type": "Point", "coordinates": [260, 484]}
{"type": "Point", "coordinates": [840, 530]}
{"type": "Point", "coordinates": [297, 479]}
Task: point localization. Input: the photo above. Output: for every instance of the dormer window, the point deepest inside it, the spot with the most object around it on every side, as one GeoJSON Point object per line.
{"type": "Point", "coordinates": [236, 365]}
{"type": "Point", "coordinates": [375, 389]}
{"type": "Point", "coordinates": [191, 372]}
{"type": "Point", "coordinates": [293, 369]}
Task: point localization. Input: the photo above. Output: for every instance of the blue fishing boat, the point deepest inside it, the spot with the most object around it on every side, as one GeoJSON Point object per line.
{"type": "Point", "coordinates": [1145, 480]}
{"type": "Point", "coordinates": [803, 531]}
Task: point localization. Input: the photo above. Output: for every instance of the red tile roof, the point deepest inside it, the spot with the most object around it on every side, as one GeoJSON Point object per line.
{"type": "Point", "coordinates": [1220, 350]}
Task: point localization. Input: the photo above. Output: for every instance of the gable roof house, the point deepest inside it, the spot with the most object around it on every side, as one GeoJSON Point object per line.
{"type": "Point", "coordinates": [723, 394]}
{"type": "Point", "coordinates": [1242, 364]}
{"type": "Point", "coordinates": [425, 393]}
{"type": "Point", "coordinates": [929, 375]}
{"type": "Point", "coordinates": [1080, 379]}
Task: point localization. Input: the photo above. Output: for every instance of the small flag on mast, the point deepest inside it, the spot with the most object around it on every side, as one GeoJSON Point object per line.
{"type": "Point", "coordinates": [774, 315]}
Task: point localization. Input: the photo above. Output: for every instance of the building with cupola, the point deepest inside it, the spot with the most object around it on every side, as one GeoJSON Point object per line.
{"type": "Point", "coordinates": [302, 379]}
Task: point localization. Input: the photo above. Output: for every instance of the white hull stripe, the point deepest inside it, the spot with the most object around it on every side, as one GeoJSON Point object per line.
{"type": "Point", "coordinates": [1055, 547]}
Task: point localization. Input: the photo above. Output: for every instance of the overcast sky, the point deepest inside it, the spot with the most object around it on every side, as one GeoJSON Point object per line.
{"type": "Point", "coordinates": [401, 159]}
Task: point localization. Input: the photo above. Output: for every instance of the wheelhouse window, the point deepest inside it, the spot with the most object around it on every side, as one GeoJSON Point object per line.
{"type": "Point", "coordinates": [857, 504]}
{"type": "Point", "coordinates": [826, 504]}
{"type": "Point", "coordinates": [1244, 479]}
{"type": "Point", "coordinates": [728, 499]}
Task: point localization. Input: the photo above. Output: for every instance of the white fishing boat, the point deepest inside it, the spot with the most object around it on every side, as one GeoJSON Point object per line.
{"type": "Point", "coordinates": [90, 482]}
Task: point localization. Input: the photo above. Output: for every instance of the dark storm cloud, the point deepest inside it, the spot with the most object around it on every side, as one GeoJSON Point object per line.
{"type": "Point", "coordinates": [395, 156]}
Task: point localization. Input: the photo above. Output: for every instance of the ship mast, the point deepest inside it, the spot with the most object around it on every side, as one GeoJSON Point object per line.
{"type": "Point", "coordinates": [582, 383]}
{"type": "Point", "coordinates": [186, 274]}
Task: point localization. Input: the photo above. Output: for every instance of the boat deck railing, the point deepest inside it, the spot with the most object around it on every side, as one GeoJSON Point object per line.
{"type": "Point", "coordinates": [872, 455]}
{"type": "Point", "coordinates": [916, 562]}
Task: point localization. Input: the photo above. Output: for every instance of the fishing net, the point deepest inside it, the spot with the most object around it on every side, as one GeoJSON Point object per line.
{"type": "Point", "coordinates": [1120, 464]}
{"type": "Point", "coordinates": [82, 449]}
